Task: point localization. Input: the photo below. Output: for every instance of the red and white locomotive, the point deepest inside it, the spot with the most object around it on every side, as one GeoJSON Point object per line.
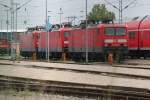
{"type": "Point", "coordinates": [100, 39]}
{"type": "Point", "coordinates": [4, 46]}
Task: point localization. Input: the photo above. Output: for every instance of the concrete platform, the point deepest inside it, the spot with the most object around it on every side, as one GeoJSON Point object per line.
{"type": "Point", "coordinates": [138, 61]}
{"type": "Point", "coordinates": [72, 77]}
{"type": "Point", "coordinates": [95, 68]}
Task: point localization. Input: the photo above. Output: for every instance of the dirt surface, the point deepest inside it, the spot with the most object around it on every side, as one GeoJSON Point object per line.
{"type": "Point", "coordinates": [138, 61]}
{"type": "Point", "coordinates": [96, 67]}
{"type": "Point", "coordinates": [72, 77]}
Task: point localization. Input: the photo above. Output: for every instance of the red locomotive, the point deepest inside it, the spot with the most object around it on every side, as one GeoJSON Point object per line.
{"type": "Point", "coordinates": [139, 38]}
{"type": "Point", "coordinates": [26, 45]}
{"type": "Point", "coordinates": [101, 40]}
{"type": "Point", "coordinates": [4, 46]}
{"type": "Point", "coordinates": [29, 41]}
{"type": "Point", "coordinates": [56, 44]}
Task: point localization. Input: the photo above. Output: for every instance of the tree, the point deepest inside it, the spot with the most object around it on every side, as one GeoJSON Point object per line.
{"type": "Point", "coordinates": [100, 13]}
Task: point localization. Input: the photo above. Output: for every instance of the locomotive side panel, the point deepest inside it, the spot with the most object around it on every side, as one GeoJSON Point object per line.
{"type": "Point", "coordinates": [145, 40]}
{"type": "Point", "coordinates": [26, 45]}
{"type": "Point", "coordinates": [133, 40]}
{"type": "Point", "coordinates": [55, 44]}
{"type": "Point", "coordinates": [76, 41]}
{"type": "Point", "coordinates": [4, 46]}
{"type": "Point", "coordinates": [42, 42]}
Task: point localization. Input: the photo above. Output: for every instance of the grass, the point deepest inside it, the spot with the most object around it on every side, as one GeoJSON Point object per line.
{"type": "Point", "coordinates": [28, 94]}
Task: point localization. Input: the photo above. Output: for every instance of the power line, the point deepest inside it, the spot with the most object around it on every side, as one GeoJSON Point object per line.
{"type": "Point", "coordinates": [121, 8]}
{"type": "Point", "coordinates": [72, 19]}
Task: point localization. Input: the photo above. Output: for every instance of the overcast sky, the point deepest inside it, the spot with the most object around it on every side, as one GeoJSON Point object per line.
{"type": "Point", "coordinates": [34, 12]}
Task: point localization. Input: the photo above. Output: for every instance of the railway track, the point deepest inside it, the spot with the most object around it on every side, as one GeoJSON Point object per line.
{"type": "Point", "coordinates": [69, 88]}
{"type": "Point", "coordinates": [137, 64]}
{"type": "Point", "coordinates": [117, 93]}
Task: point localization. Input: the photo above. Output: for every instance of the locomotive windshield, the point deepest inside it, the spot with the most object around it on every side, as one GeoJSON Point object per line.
{"type": "Point", "coordinates": [110, 31]}
{"type": "Point", "coordinates": [115, 31]}
{"type": "Point", "coordinates": [120, 31]}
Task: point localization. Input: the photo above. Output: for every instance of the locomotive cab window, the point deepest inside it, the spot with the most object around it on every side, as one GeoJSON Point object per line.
{"type": "Point", "coordinates": [132, 35]}
{"type": "Point", "coordinates": [66, 34]}
{"type": "Point", "coordinates": [110, 31]}
{"type": "Point", "coordinates": [120, 31]}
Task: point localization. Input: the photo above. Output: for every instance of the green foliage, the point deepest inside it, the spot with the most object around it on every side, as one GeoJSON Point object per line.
{"type": "Point", "coordinates": [100, 13]}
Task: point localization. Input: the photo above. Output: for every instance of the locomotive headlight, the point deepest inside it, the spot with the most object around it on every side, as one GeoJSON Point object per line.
{"type": "Point", "coordinates": [108, 41]}
{"type": "Point", "coordinates": [122, 40]}
{"type": "Point", "coordinates": [66, 42]}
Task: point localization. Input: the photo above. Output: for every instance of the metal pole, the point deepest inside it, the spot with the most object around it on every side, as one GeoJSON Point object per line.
{"type": "Point", "coordinates": [60, 15]}
{"type": "Point", "coordinates": [48, 38]}
{"type": "Point", "coordinates": [12, 33]}
{"type": "Point", "coordinates": [48, 45]}
{"type": "Point", "coordinates": [16, 16]}
{"type": "Point", "coordinates": [1, 25]}
{"type": "Point", "coordinates": [11, 51]}
{"type": "Point", "coordinates": [13, 21]}
{"type": "Point", "coordinates": [47, 52]}
{"type": "Point", "coordinates": [7, 22]}
{"type": "Point", "coordinates": [46, 25]}
{"type": "Point", "coordinates": [1, 29]}
{"type": "Point", "coordinates": [121, 10]}
{"type": "Point", "coordinates": [86, 34]}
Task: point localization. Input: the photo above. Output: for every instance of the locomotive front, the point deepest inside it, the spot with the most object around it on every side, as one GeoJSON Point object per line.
{"type": "Point", "coordinates": [115, 41]}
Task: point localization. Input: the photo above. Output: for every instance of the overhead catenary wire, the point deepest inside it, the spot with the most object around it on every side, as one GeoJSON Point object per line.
{"type": "Point", "coordinates": [70, 10]}
{"type": "Point", "coordinates": [121, 8]}
{"type": "Point", "coordinates": [24, 4]}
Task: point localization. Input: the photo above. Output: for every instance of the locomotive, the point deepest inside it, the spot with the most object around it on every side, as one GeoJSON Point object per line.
{"type": "Point", "coordinates": [5, 42]}
{"type": "Point", "coordinates": [100, 39]}
{"type": "Point", "coordinates": [139, 38]}
{"type": "Point", "coordinates": [26, 45]}
{"type": "Point", "coordinates": [4, 46]}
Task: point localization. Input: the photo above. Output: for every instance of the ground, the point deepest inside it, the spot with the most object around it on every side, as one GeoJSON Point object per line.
{"type": "Point", "coordinates": [12, 95]}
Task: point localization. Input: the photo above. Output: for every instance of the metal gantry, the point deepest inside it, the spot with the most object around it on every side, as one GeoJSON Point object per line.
{"type": "Point", "coordinates": [47, 35]}
{"type": "Point", "coordinates": [12, 10]}
{"type": "Point", "coordinates": [120, 8]}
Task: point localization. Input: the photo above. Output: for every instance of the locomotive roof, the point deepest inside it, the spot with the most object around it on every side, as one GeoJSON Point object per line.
{"type": "Point", "coordinates": [64, 29]}
{"type": "Point", "coordinates": [111, 25]}
{"type": "Point", "coordinates": [96, 26]}
{"type": "Point", "coordinates": [135, 24]}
